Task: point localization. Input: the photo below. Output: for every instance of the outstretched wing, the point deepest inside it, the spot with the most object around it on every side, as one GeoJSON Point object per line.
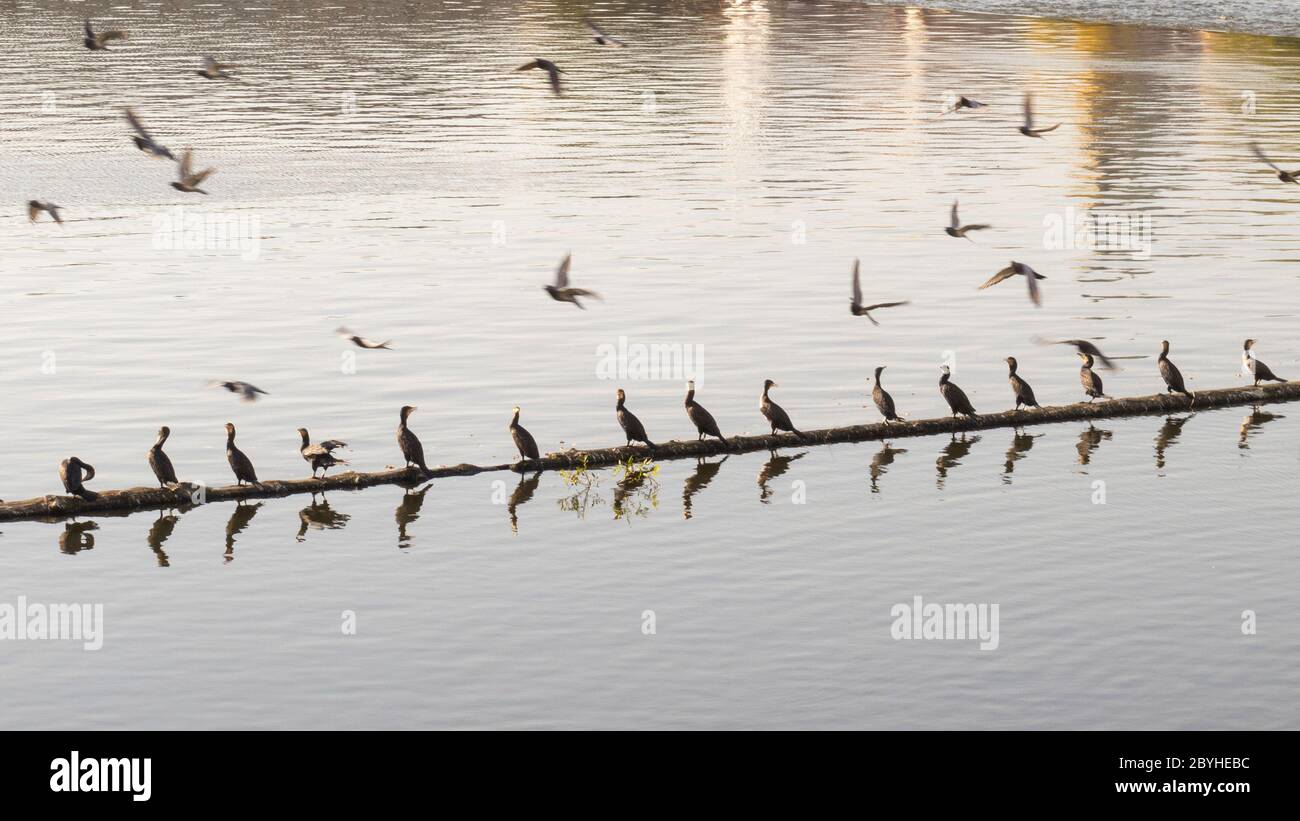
{"type": "Point", "coordinates": [136, 124]}
{"type": "Point", "coordinates": [1034, 295]}
{"type": "Point", "coordinates": [185, 165]}
{"type": "Point", "coordinates": [857, 286]}
{"type": "Point", "coordinates": [1008, 271]}
{"type": "Point", "coordinates": [952, 217]}
{"type": "Point", "coordinates": [1254, 147]}
{"type": "Point", "coordinates": [1029, 111]}
{"type": "Point", "coordinates": [562, 273]}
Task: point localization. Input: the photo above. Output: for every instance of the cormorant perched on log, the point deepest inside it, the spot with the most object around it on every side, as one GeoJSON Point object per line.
{"type": "Point", "coordinates": [955, 396]}
{"type": "Point", "coordinates": [74, 473]}
{"type": "Point", "coordinates": [1089, 379]}
{"type": "Point", "coordinates": [320, 456]}
{"type": "Point", "coordinates": [239, 463]}
{"type": "Point", "coordinates": [524, 441]}
{"type": "Point", "coordinates": [1257, 369]}
{"type": "Point", "coordinates": [412, 450]}
{"type": "Point", "coordinates": [1169, 371]}
{"type": "Point", "coordinates": [776, 415]}
{"type": "Point", "coordinates": [632, 426]}
{"type": "Point", "coordinates": [158, 461]}
{"type": "Point", "coordinates": [1024, 393]}
{"type": "Point", "coordinates": [884, 402]}
{"type": "Point", "coordinates": [704, 421]}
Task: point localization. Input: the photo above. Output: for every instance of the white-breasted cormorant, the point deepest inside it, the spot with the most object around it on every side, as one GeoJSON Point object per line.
{"type": "Point", "coordinates": [246, 392]}
{"type": "Point", "coordinates": [1170, 373]}
{"type": "Point", "coordinates": [1024, 393]}
{"type": "Point", "coordinates": [631, 426]}
{"type": "Point", "coordinates": [601, 37]}
{"type": "Point", "coordinates": [189, 179]}
{"type": "Point", "coordinates": [213, 70]}
{"type": "Point", "coordinates": [552, 71]}
{"type": "Point", "coordinates": [35, 207]}
{"type": "Point", "coordinates": [412, 450]}
{"type": "Point", "coordinates": [159, 462]}
{"type": "Point", "coordinates": [704, 422]}
{"type": "Point", "coordinates": [74, 473]}
{"type": "Point", "coordinates": [775, 414]}
{"type": "Point", "coordinates": [143, 139]}
{"type": "Point", "coordinates": [1028, 128]}
{"type": "Point", "coordinates": [1031, 278]}
{"type": "Point", "coordinates": [1091, 381]}
{"type": "Point", "coordinates": [239, 463]}
{"type": "Point", "coordinates": [1284, 176]}
{"type": "Point", "coordinates": [884, 402]}
{"type": "Point", "coordinates": [362, 342]}
{"type": "Point", "coordinates": [855, 299]}
{"type": "Point", "coordinates": [320, 456]}
{"type": "Point", "coordinates": [98, 41]}
{"type": "Point", "coordinates": [1258, 370]}
{"type": "Point", "coordinates": [561, 292]}
{"type": "Point", "coordinates": [955, 396]}
{"type": "Point", "coordinates": [956, 229]}
{"type": "Point", "coordinates": [524, 441]}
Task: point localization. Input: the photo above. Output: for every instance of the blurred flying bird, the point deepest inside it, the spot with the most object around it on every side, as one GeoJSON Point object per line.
{"type": "Point", "coordinates": [561, 292]}
{"type": "Point", "coordinates": [189, 178]}
{"type": "Point", "coordinates": [551, 69]}
{"type": "Point", "coordinates": [100, 41]}
{"type": "Point", "coordinates": [1028, 128]}
{"type": "Point", "coordinates": [1031, 277]}
{"type": "Point", "coordinates": [1082, 346]}
{"type": "Point", "coordinates": [35, 207]}
{"type": "Point", "coordinates": [214, 70]}
{"type": "Point", "coordinates": [1284, 176]}
{"type": "Point", "coordinates": [246, 392]}
{"type": "Point", "coordinates": [601, 37]}
{"type": "Point", "coordinates": [962, 102]}
{"type": "Point", "coordinates": [956, 229]}
{"type": "Point", "coordinates": [855, 302]}
{"type": "Point", "coordinates": [361, 341]}
{"type": "Point", "coordinates": [143, 139]}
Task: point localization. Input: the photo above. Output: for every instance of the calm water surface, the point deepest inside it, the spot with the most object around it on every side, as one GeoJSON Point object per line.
{"type": "Point", "coordinates": [714, 182]}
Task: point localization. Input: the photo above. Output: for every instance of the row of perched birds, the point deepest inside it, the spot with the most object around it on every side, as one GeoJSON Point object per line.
{"type": "Point", "coordinates": [74, 472]}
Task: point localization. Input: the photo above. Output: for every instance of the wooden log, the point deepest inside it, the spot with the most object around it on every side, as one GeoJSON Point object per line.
{"type": "Point", "coordinates": [54, 507]}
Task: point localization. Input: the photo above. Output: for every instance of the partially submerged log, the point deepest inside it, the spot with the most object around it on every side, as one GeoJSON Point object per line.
{"type": "Point", "coordinates": [187, 495]}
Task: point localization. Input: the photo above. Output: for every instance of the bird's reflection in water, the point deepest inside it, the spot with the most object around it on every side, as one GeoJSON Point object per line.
{"type": "Point", "coordinates": [521, 494]}
{"type": "Point", "coordinates": [1090, 439]}
{"type": "Point", "coordinates": [881, 461]}
{"type": "Point", "coordinates": [408, 510]}
{"type": "Point", "coordinates": [1169, 433]}
{"type": "Point", "coordinates": [159, 532]}
{"type": "Point", "coordinates": [636, 493]}
{"type": "Point", "coordinates": [77, 536]}
{"type": "Point", "coordinates": [319, 516]}
{"type": "Point", "coordinates": [699, 480]}
{"type": "Point", "coordinates": [951, 456]}
{"type": "Point", "coordinates": [239, 520]}
{"type": "Point", "coordinates": [1021, 442]}
{"type": "Point", "coordinates": [1252, 422]}
{"type": "Point", "coordinates": [774, 467]}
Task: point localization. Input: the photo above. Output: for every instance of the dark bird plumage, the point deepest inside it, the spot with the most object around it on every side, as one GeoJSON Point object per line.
{"type": "Point", "coordinates": [704, 422]}
{"type": "Point", "coordinates": [74, 473]}
{"type": "Point", "coordinates": [1018, 268]}
{"type": "Point", "coordinates": [627, 420]}
{"type": "Point", "coordinates": [159, 461]}
{"type": "Point", "coordinates": [963, 102]}
{"type": "Point", "coordinates": [1284, 176]}
{"type": "Point", "coordinates": [98, 41]}
{"type": "Point", "coordinates": [1091, 381]}
{"type": "Point", "coordinates": [240, 464]}
{"type": "Point", "coordinates": [956, 229]}
{"type": "Point", "coordinates": [143, 139]}
{"type": "Point", "coordinates": [1028, 128]}
{"type": "Point", "coordinates": [412, 450]}
{"type": "Point", "coordinates": [855, 299]}
{"type": "Point", "coordinates": [189, 179]}
{"type": "Point", "coordinates": [320, 456]}
{"type": "Point", "coordinates": [955, 396]}
{"type": "Point", "coordinates": [35, 207]}
{"type": "Point", "coordinates": [1082, 346]}
{"type": "Point", "coordinates": [552, 71]}
{"type": "Point", "coordinates": [1258, 370]}
{"type": "Point", "coordinates": [1170, 373]}
{"type": "Point", "coordinates": [524, 441]}
{"type": "Point", "coordinates": [561, 292]}
{"type": "Point", "coordinates": [246, 392]}
{"type": "Point", "coordinates": [1024, 394]}
{"type": "Point", "coordinates": [362, 342]}
{"type": "Point", "coordinates": [884, 402]}
{"type": "Point", "coordinates": [775, 414]}
{"type": "Point", "coordinates": [601, 37]}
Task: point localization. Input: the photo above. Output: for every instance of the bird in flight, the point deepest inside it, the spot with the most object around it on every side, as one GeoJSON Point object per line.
{"type": "Point", "coordinates": [601, 37]}
{"type": "Point", "coordinates": [1083, 346]}
{"type": "Point", "coordinates": [246, 392]}
{"type": "Point", "coordinates": [1028, 128]}
{"type": "Point", "coordinates": [361, 341]}
{"type": "Point", "coordinates": [214, 70]}
{"type": "Point", "coordinates": [189, 178]}
{"type": "Point", "coordinates": [855, 302]}
{"type": "Point", "coordinates": [552, 70]}
{"type": "Point", "coordinates": [963, 102]}
{"type": "Point", "coordinates": [35, 207]}
{"type": "Point", "coordinates": [99, 41]}
{"type": "Point", "coordinates": [561, 292]}
{"type": "Point", "coordinates": [956, 229]}
{"type": "Point", "coordinates": [1031, 276]}
{"type": "Point", "coordinates": [1284, 176]}
{"type": "Point", "coordinates": [143, 139]}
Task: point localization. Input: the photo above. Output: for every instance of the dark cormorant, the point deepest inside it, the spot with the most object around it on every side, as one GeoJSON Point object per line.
{"type": "Point", "coordinates": [561, 292]}
{"type": "Point", "coordinates": [99, 41]}
{"type": "Point", "coordinates": [963, 102]}
{"type": "Point", "coordinates": [552, 71]}
{"type": "Point", "coordinates": [1028, 128]}
{"type": "Point", "coordinates": [956, 229]}
{"type": "Point", "coordinates": [884, 402]}
{"type": "Point", "coordinates": [412, 450]}
{"type": "Point", "coordinates": [955, 396]}
{"type": "Point", "coordinates": [1257, 369]}
{"type": "Point", "coordinates": [35, 207]}
{"type": "Point", "coordinates": [189, 179]}
{"type": "Point", "coordinates": [74, 473]}
{"type": "Point", "coordinates": [601, 37]}
{"type": "Point", "coordinates": [1091, 381]}
{"type": "Point", "coordinates": [704, 422]}
{"type": "Point", "coordinates": [321, 456]}
{"type": "Point", "coordinates": [1169, 371]}
{"type": "Point", "coordinates": [144, 140]}
{"type": "Point", "coordinates": [1031, 278]}
{"type": "Point", "coordinates": [1284, 176]}
{"type": "Point", "coordinates": [524, 441]}
{"type": "Point", "coordinates": [239, 463]}
{"type": "Point", "coordinates": [1082, 346]}
{"type": "Point", "coordinates": [632, 426]}
{"type": "Point", "coordinates": [158, 461]}
{"type": "Point", "coordinates": [855, 300]}
{"type": "Point", "coordinates": [776, 415]}
{"type": "Point", "coordinates": [1024, 393]}
{"type": "Point", "coordinates": [246, 392]}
